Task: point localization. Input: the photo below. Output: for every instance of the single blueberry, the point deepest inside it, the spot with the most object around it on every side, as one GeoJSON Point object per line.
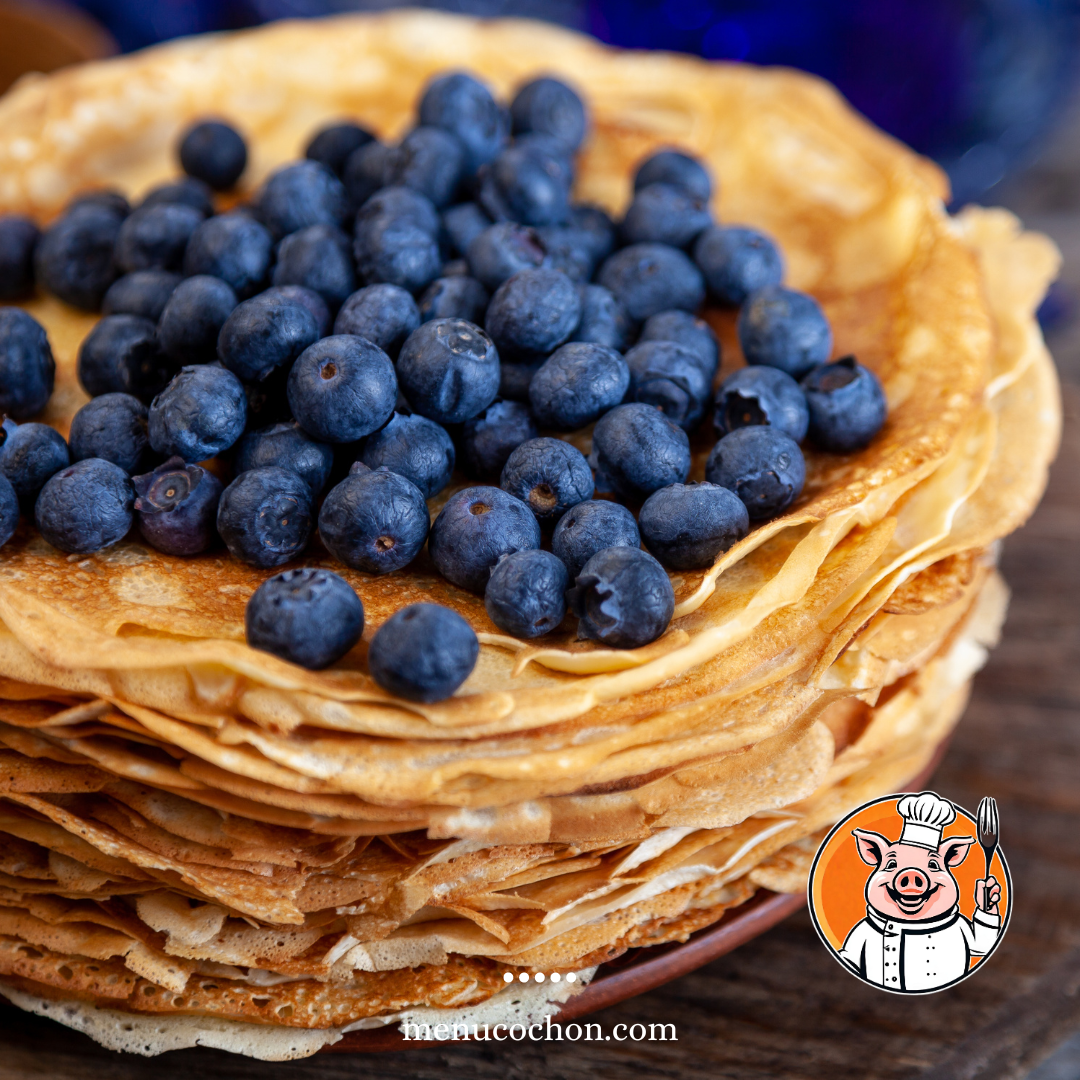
{"type": "Point", "coordinates": [102, 199]}
{"type": "Point", "coordinates": [111, 427]}
{"type": "Point", "coordinates": [27, 368]}
{"type": "Point", "coordinates": [309, 617]}
{"type": "Point", "coordinates": [662, 214]}
{"type": "Point", "coordinates": [688, 331]}
{"type": "Point", "coordinates": [670, 378]}
{"type": "Point", "coordinates": [550, 107]}
{"type": "Point", "coordinates": [122, 355]}
{"type": "Point", "coordinates": [578, 383]}
{"type": "Point", "coordinates": [397, 251]}
{"type": "Point", "coordinates": [590, 527]}
{"type": "Point", "coordinates": [476, 527]}
{"type": "Point", "coordinates": [623, 598]}
{"type": "Point", "coordinates": [636, 450]}
{"type": "Point", "coordinates": [527, 185]}
{"type": "Point", "coordinates": [265, 333]}
{"type": "Point", "coordinates": [85, 507]}
{"type": "Point", "coordinates": [594, 224]}
{"type": "Point", "coordinates": [549, 476]}
{"type": "Point", "coordinates": [603, 319]}
{"type": "Point", "coordinates": [532, 313]}
{"type": "Point", "coordinates": [30, 454]}
{"type": "Point", "coordinates": [375, 521]}
{"type": "Point", "coordinates": [649, 278]}
{"type": "Point", "coordinates": [423, 652]}
{"type": "Point", "coordinates": [342, 388]}
{"type": "Point", "coordinates": [18, 237]}
{"type": "Point", "coordinates": [761, 395]}
{"type": "Point", "coordinates": [233, 247]}
{"type": "Point", "coordinates": [463, 224]}
{"type": "Point", "coordinates": [9, 510]}
{"type": "Point", "coordinates": [318, 258]}
{"type": "Point", "coordinates": [200, 413]}
{"type": "Point", "coordinates": [429, 160]}
{"type": "Point", "coordinates": [265, 516]}
{"type": "Point", "coordinates": [675, 168]}
{"type": "Point", "coordinates": [784, 329]}
{"type": "Point", "coordinates": [331, 146]}
{"type": "Point", "coordinates": [525, 595]}
{"type": "Point", "coordinates": [184, 192]}
{"type": "Point", "coordinates": [155, 237]}
{"type": "Point", "coordinates": [193, 317]}
{"type": "Point", "coordinates": [546, 144]}
{"type": "Point", "coordinates": [299, 195]}
{"type": "Point", "coordinates": [762, 466]}
{"type": "Point", "coordinates": [397, 203]}
{"type": "Point", "coordinates": [177, 507]}
{"type": "Point", "coordinates": [737, 261]}
{"type": "Point", "coordinates": [308, 298]}
{"type": "Point", "coordinates": [460, 297]}
{"type": "Point", "coordinates": [460, 104]}
{"type": "Point", "coordinates": [515, 379]}
{"type": "Point", "coordinates": [144, 293]}
{"type": "Point", "coordinates": [502, 250]}
{"type": "Point", "coordinates": [213, 152]}
{"type": "Point", "coordinates": [449, 370]}
{"type": "Point", "coordinates": [74, 257]}
{"type": "Point", "coordinates": [413, 447]}
{"type": "Point", "coordinates": [687, 525]}
{"type": "Point", "coordinates": [384, 314]}
{"type": "Point", "coordinates": [365, 171]}
{"type": "Point", "coordinates": [489, 438]}
{"type": "Point", "coordinates": [846, 403]}
{"type": "Point", "coordinates": [288, 446]}
{"type": "Point", "coordinates": [568, 250]}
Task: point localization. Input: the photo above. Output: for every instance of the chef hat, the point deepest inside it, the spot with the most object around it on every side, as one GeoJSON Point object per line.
{"type": "Point", "coordinates": [925, 815]}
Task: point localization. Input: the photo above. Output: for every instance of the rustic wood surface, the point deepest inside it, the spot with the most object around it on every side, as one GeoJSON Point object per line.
{"type": "Point", "coordinates": [780, 1006]}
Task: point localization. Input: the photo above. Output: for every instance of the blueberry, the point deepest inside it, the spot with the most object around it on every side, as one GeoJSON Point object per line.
{"type": "Point", "coordinates": [300, 195]}
{"type": "Point", "coordinates": [623, 598]}
{"type": "Point", "coordinates": [688, 331]}
{"type": "Point", "coordinates": [784, 329]}
{"type": "Point", "coordinates": [675, 168]}
{"type": "Point", "coordinates": [111, 427]}
{"type": "Point", "coordinates": [184, 192]}
{"type": "Point", "coordinates": [670, 378]}
{"type": "Point", "coordinates": [460, 297]}
{"type": "Point", "coordinates": [155, 237]}
{"type": "Point", "coordinates": [365, 171]}
{"type": "Point", "coordinates": [85, 507]}
{"type": "Point", "coordinates": [549, 476]}
{"type": "Point", "coordinates": [846, 404]}
{"type": "Point", "coordinates": [429, 160]}
{"type": "Point", "coordinates": [413, 447]}
{"type": "Point", "coordinates": [649, 278]}
{"type": "Point", "coordinates": [18, 237]}
{"type": "Point", "coordinates": [265, 516]}
{"type": "Point", "coordinates": [199, 414]}
{"type": "Point", "coordinates": [9, 510]}
{"type": "Point", "coordinates": [342, 388]}
{"type": "Point", "coordinates": [400, 204]}
{"type": "Point", "coordinates": [489, 438]}
{"type": "Point", "coordinates": [525, 595]}
{"type": "Point", "coordinates": [177, 507]}
{"type": "Point", "coordinates": [423, 652]}
{"type": "Point", "coordinates": [395, 250]}
{"type": "Point", "coordinates": [737, 261]}
{"type": "Point", "coordinates": [590, 527]}
{"type": "Point", "coordinates": [532, 313]}
{"type": "Point", "coordinates": [549, 107]}
{"type": "Point", "coordinates": [102, 199]}
{"type": "Point", "coordinates": [663, 214]}
{"type": "Point", "coordinates": [233, 247]}
{"type": "Point", "coordinates": [31, 454]}
{"type": "Point", "coordinates": [460, 104]}
{"type": "Point", "coordinates": [762, 466]}
{"type": "Point", "coordinates": [686, 526]}
{"type": "Point", "coordinates": [74, 257]}
{"type": "Point", "coordinates": [636, 450]}
{"type": "Point", "coordinates": [144, 293]}
{"type": "Point", "coordinates": [595, 226]}
{"type": "Point", "coordinates": [576, 384]}
{"type": "Point", "coordinates": [761, 395]}
{"type": "Point", "coordinates": [319, 259]}
{"type": "Point", "coordinates": [502, 250]}
{"type": "Point", "coordinates": [515, 379]}
{"type": "Point", "coordinates": [568, 250]}
{"type": "Point", "coordinates": [375, 521]}
{"type": "Point", "coordinates": [476, 527]}
{"type": "Point", "coordinates": [449, 370]}
{"type": "Point", "coordinates": [213, 152]}
{"type": "Point", "coordinates": [331, 146]}
{"type": "Point", "coordinates": [527, 185]}
{"type": "Point", "coordinates": [122, 355]}
{"type": "Point", "coordinates": [307, 298]}
{"type": "Point", "coordinates": [265, 333]}
{"type": "Point", "coordinates": [193, 317]}
{"type": "Point", "coordinates": [384, 314]}
{"type": "Point", "coordinates": [463, 223]}
{"type": "Point", "coordinates": [603, 319]}
{"type": "Point", "coordinates": [538, 141]}
{"type": "Point", "coordinates": [288, 446]}
{"type": "Point", "coordinates": [27, 368]}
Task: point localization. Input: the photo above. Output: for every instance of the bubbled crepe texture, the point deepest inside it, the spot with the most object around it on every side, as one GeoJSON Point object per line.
{"type": "Point", "coordinates": [232, 848]}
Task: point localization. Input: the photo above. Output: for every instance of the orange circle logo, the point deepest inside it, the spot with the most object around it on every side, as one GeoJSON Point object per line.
{"type": "Point", "coordinates": [910, 892]}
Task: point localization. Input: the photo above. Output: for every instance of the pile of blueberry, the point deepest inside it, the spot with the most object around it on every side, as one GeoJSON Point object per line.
{"type": "Point", "coordinates": [381, 313]}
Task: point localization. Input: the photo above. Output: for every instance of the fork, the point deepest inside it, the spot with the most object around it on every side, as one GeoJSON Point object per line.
{"type": "Point", "coordinates": [988, 829]}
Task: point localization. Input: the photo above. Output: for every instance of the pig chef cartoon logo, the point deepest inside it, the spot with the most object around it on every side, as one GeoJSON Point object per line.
{"type": "Point", "coordinates": [896, 898]}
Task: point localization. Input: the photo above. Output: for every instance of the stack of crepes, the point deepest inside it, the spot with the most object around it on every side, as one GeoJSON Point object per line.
{"type": "Point", "coordinates": [204, 844]}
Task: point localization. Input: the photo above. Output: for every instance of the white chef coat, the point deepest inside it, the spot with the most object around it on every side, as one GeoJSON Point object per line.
{"type": "Point", "coordinates": [919, 954]}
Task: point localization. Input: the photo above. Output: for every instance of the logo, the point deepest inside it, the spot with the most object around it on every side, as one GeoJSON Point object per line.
{"type": "Point", "coordinates": [897, 900]}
